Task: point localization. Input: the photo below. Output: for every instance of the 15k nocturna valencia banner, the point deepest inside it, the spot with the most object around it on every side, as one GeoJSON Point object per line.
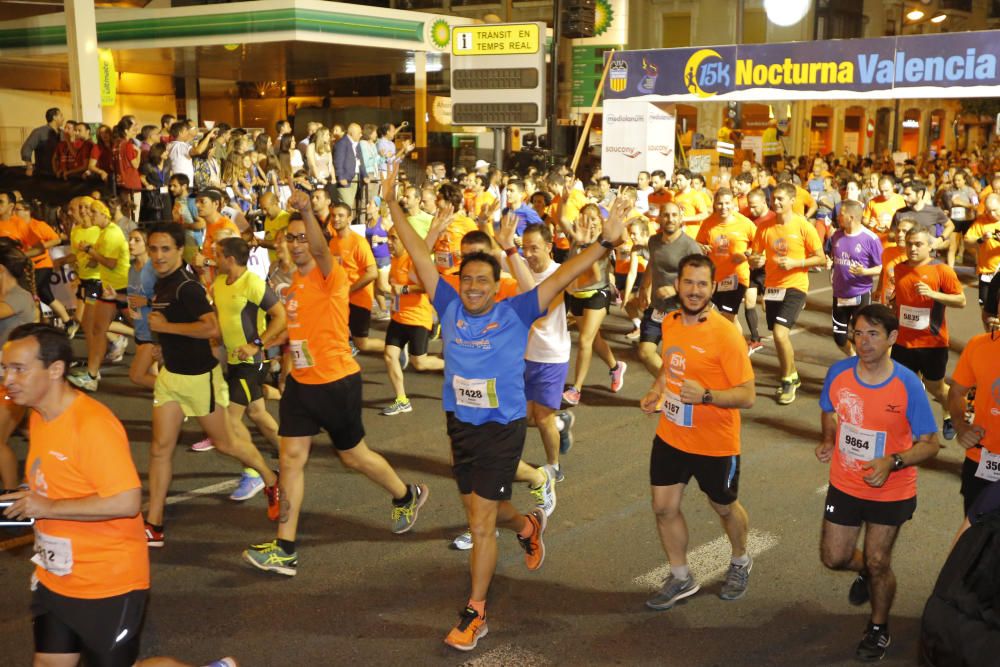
{"type": "Point", "coordinates": [946, 65]}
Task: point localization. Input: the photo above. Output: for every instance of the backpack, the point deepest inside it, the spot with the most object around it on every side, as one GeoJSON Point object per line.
{"type": "Point", "coordinates": [961, 620]}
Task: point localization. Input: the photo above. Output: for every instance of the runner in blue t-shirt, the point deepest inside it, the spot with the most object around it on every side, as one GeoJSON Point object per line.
{"type": "Point", "coordinates": [141, 289]}
{"type": "Point", "coordinates": [483, 397]}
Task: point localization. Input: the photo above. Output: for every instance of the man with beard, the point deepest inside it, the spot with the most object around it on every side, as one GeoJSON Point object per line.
{"type": "Point", "coordinates": [706, 379]}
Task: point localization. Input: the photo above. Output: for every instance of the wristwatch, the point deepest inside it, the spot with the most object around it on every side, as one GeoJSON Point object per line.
{"type": "Point", "coordinates": [405, 289]}
{"type": "Point", "coordinates": [610, 245]}
{"type": "Point", "coordinates": [707, 397]}
{"type": "Point", "coordinates": [897, 462]}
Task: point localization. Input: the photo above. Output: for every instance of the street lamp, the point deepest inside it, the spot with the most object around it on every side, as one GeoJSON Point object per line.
{"type": "Point", "coordinates": [786, 12]}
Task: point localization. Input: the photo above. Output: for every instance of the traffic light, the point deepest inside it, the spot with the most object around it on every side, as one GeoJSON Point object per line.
{"type": "Point", "coordinates": [578, 18]}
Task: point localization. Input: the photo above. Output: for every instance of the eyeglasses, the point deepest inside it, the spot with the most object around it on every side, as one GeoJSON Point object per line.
{"type": "Point", "coordinates": [297, 238]}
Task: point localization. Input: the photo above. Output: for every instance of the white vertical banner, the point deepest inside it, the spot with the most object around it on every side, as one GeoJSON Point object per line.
{"type": "Point", "coordinates": [638, 136]}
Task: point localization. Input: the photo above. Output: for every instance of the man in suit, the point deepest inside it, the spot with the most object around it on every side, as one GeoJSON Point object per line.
{"type": "Point", "coordinates": [349, 166]}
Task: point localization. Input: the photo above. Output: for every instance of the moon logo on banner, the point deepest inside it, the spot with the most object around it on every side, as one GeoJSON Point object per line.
{"type": "Point", "coordinates": [692, 71]}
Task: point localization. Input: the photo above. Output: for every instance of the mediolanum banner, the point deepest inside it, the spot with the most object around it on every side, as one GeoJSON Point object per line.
{"type": "Point", "coordinates": [638, 136]}
{"type": "Point", "coordinates": [945, 65]}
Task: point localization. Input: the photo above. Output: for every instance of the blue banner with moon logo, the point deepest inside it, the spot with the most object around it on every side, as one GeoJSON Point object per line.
{"type": "Point", "coordinates": [943, 65]}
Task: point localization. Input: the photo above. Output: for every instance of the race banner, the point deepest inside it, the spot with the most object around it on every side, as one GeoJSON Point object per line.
{"type": "Point", "coordinates": [638, 136]}
{"type": "Point", "coordinates": [916, 66]}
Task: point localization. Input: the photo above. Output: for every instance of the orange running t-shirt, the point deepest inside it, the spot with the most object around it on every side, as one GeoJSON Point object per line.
{"type": "Point", "coordinates": [448, 247]}
{"type": "Point", "coordinates": [922, 320]}
{"type": "Point", "coordinates": [16, 228]}
{"type": "Point", "coordinates": [317, 326]}
{"type": "Point", "coordinates": [979, 366]}
{"type": "Point", "coordinates": [713, 354]}
{"type": "Point", "coordinates": [691, 204]}
{"type": "Point", "coordinates": [892, 256]}
{"type": "Point", "coordinates": [727, 239]}
{"type": "Point", "coordinates": [796, 239]}
{"type": "Point", "coordinates": [85, 452]}
{"type": "Point", "coordinates": [412, 309]}
{"type": "Point", "coordinates": [355, 255]}
{"type": "Point", "coordinates": [208, 247]}
{"type": "Point", "coordinates": [656, 200]}
{"type": "Point", "coordinates": [879, 212]}
{"type": "Point", "coordinates": [803, 201]}
{"type": "Point", "coordinates": [987, 252]}
{"type": "Point", "coordinates": [39, 234]}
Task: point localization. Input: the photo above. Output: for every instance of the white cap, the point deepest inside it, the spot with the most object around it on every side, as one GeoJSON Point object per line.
{"type": "Point", "coordinates": [481, 163]}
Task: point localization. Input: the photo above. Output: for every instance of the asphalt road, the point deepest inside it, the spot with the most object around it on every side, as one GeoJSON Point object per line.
{"type": "Point", "coordinates": [366, 596]}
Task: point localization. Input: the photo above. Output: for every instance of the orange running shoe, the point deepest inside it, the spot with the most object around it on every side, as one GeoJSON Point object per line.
{"type": "Point", "coordinates": [471, 627]}
{"type": "Point", "coordinates": [273, 494]}
{"type": "Point", "coordinates": [534, 548]}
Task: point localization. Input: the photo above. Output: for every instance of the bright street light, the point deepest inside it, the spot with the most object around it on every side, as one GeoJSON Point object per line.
{"type": "Point", "coordinates": [786, 12]}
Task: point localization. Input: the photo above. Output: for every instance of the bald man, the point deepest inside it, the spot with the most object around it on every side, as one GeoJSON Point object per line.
{"type": "Point", "coordinates": [349, 166]}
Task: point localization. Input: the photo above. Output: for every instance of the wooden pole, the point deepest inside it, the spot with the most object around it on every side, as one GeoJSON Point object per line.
{"type": "Point", "coordinates": [590, 117]}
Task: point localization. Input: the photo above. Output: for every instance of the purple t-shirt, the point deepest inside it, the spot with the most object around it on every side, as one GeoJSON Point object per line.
{"type": "Point", "coordinates": [863, 248]}
{"type": "Point", "coordinates": [378, 238]}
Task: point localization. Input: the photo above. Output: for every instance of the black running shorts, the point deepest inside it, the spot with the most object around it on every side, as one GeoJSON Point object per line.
{"type": "Point", "coordinates": [400, 335]}
{"type": "Point", "coordinates": [105, 631]}
{"type": "Point", "coordinates": [246, 383]}
{"type": "Point", "coordinates": [786, 311]}
{"type": "Point", "coordinates": [730, 300]}
{"type": "Point", "coordinates": [359, 321]}
{"type": "Point", "coordinates": [718, 476]}
{"type": "Point", "coordinates": [333, 406]}
{"type": "Point", "coordinates": [846, 510]}
{"type": "Point", "coordinates": [929, 362]}
{"type": "Point", "coordinates": [485, 457]}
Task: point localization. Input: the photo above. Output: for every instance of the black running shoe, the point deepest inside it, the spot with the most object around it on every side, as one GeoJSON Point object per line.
{"type": "Point", "coordinates": [873, 645]}
{"type": "Point", "coordinates": [858, 595]}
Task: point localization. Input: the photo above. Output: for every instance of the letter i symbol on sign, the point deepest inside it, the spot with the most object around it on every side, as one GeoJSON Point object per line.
{"type": "Point", "coordinates": [464, 41]}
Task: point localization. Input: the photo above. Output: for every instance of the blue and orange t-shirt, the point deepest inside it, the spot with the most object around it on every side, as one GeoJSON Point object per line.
{"type": "Point", "coordinates": [874, 421]}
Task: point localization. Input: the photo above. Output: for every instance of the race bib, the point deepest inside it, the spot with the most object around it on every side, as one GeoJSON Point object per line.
{"type": "Point", "coordinates": [957, 213]}
{"type": "Point", "coordinates": [475, 393]}
{"type": "Point", "coordinates": [849, 300]}
{"type": "Point", "coordinates": [301, 358]}
{"type": "Point", "coordinates": [164, 189]}
{"type": "Point", "coordinates": [657, 315]}
{"type": "Point", "coordinates": [989, 466]}
{"type": "Point", "coordinates": [861, 444]}
{"type": "Point", "coordinates": [53, 554]}
{"type": "Point", "coordinates": [676, 412]}
{"type": "Point", "coordinates": [729, 283]}
{"type": "Point", "coordinates": [445, 260]}
{"type": "Point", "coordinates": [986, 277]}
{"type": "Point", "coordinates": [774, 294]}
{"type": "Point", "coordinates": [915, 318]}
{"type": "Point", "coordinates": [885, 219]}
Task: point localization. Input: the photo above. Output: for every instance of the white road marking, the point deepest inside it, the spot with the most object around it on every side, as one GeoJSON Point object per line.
{"type": "Point", "coordinates": [203, 491]}
{"type": "Point", "coordinates": [508, 654]}
{"type": "Point", "coordinates": [823, 489]}
{"type": "Point", "coordinates": [711, 560]}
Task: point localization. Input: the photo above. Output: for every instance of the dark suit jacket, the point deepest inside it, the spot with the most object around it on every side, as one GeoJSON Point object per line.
{"type": "Point", "coordinates": [344, 161]}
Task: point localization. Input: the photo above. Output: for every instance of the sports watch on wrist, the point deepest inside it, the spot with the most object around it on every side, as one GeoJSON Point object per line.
{"type": "Point", "coordinates": [897, 462]}
{"type": "Point", "coordinates": [707, 397]}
